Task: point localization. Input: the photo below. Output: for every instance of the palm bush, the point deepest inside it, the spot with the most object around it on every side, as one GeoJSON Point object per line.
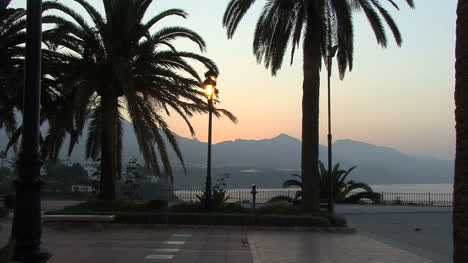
{"type": "Point", "coordinates": [343, 191]}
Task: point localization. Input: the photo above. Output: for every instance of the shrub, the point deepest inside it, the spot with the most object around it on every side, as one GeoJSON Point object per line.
{"type": "Point", "coordinates": [234, 208]}
{"type": "Point", "coordinates": [186, 208]}
{"type": "Point", "coordinates": [338, 220]}
{"type": "Point", "coordinates": [6, 252]}
{"type": "Point", "coordinates": [133, 218]}
{"type": "Point", "coordinates": [3, 212]}
{"type": "Point", "coordinates": [219, 196]}
{"type": "Point", "coordinates": [197, 207]}
{"type": "Point", "coordinates": [280, 208]}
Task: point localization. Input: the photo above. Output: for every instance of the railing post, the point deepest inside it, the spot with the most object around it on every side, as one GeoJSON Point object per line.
{"type": "Point", "coordinates": [254, 195]}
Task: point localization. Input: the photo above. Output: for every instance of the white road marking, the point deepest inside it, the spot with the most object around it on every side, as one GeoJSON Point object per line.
{"type": "Point", "coordinates": [171, 250]}
{"type": "Point", "coordinates": [174, 242]}
{"type": "Point", "coordinates": [160, 257]}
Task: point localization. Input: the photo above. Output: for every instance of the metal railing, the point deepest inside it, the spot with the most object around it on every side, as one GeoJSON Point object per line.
{"type": "Point", "coordinates": [264, 195]}
{"type": "Point", "coordinates": [416, 199]}
{"type": "Point", "coordinates": [236, 195]}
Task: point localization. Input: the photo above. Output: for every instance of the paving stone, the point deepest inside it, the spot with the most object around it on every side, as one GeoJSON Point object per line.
{"type": "Point", "coordinates": [302, 247]}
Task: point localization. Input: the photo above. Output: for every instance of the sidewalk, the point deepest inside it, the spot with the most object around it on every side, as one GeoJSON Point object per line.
{"type": "Point", "coordinates": [112, 243]}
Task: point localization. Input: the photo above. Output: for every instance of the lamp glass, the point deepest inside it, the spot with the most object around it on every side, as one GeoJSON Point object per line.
{"type": "Point", "coordinates": [209, 91]}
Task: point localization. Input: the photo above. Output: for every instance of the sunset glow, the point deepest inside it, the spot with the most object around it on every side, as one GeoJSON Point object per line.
{"type": "Point", "coordinates": [396, 97]}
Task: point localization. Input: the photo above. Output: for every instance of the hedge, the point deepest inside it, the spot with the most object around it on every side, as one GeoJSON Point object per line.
{"type": "Point", "coordinates": [209, 219]}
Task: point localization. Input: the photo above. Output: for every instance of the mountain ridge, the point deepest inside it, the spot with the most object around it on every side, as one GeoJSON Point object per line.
{"type": "Point", "coordinates": [270, 161]}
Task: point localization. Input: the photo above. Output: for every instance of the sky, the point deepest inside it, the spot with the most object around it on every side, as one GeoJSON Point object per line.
{"type": "Point", "coordinates": [396, 97]}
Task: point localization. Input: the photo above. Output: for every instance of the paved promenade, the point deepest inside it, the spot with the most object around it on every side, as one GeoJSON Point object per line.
{"type": "Point", "coordinates": [139, 244]}
{"type": "Point", "coordinates": [113, 243]}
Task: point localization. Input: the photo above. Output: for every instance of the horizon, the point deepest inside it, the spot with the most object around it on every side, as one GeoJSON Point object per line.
{"type": "Point", "coordinates": [398, 97]}
{"type": "Point", "coordinates": [324, 145]}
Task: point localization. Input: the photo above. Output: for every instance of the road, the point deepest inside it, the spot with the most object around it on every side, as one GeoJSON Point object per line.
{"type": "Point", "coordinates": [425, 231]}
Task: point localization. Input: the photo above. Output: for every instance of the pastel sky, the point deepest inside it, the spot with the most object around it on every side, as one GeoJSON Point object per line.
{"type": "Point", "coordinates": [396, 97]}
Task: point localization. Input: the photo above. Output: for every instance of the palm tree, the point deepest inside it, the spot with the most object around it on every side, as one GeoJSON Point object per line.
{"type": "Point", "coordinates": [3, 156]}
{"type": "Point", "coordinates": [119, 63]}
{"type": "Point", "coordinates": [460, 201]}
{"type": "Point", "coordinates": [12, 38]}
{"type": "Point", "coordinates": [323, 24]}
{"type": "Point", "coordinates": [343, 189]}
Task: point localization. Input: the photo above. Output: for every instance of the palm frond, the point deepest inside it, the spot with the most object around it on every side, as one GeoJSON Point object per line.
{"type": "Point", "coordinates": [357, 197]}
{"type": "Point", "coordinates": [391, 23]}
{"type": "Point", "coordinates": [235, 11]}
{"type": "Point", "coordinates": [292, 182]}
{"type": "Point", "coordinates": [162, 15]}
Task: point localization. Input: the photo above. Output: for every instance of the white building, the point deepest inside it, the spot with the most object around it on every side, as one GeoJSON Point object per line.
{"type": "Point", "coordinates": [81, 188]}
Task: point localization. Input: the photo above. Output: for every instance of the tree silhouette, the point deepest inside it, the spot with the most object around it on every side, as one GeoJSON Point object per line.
{"type": "Point", "coordinates": [118, 63]}
{"type": "Point", "coordinates": [460, 191]}
{"type": "Point", "coordinates": [322, 25]}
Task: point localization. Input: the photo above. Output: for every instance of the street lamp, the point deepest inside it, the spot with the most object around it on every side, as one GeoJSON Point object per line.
{"type": "Point", "coordinates": [211, 93]}
{"type": "Point", "coordinates": [27, 223]}
{"type": "Point", "coordinates": [331, 54]}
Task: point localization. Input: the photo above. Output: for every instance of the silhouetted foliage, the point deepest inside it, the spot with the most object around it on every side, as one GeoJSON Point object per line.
{"type": "Point", "coordinates": [60, 177]}
{"type": "Point", "coordinates": [116, 62]}
{"type": "Point", "coordinates": [460, 199]}
{"type": "Point", "coordinates": [342, 189]}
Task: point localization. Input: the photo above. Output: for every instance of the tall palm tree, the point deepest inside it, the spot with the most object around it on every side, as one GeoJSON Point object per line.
{"type": "Point", "coordinates": [460, 205]}
{"type": "Point", "coordinates": [119, 63]}
{"type": "Point", "coordinates": [322, 24]}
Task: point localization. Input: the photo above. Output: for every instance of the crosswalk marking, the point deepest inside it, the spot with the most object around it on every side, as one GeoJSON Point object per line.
{"type": "Point", "coordinates": [172, 250]}
{"type": "Point", "coordinates": [182, 235]}
{"type": "Point", "coordinates": [174, 242]}
{"type": "Point", "coordinates": [160, 257]}
{"type": "Point", "coordinates": [168, 249]}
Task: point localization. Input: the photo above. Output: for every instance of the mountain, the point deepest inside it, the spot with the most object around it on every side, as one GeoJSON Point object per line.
{"type": "Point", "coordinates": [268, 162]}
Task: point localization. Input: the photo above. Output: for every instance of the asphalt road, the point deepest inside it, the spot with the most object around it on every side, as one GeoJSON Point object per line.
{"type": "Point", "coordinates": [425, 231]}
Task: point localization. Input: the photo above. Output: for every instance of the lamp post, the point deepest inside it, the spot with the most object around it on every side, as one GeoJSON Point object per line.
{"type": "Point", "coordinates": [331, 54]}
{"type": "Point", "coordinates": [27, 225]}
{"type": "Point", "coordinates": [211, 93]}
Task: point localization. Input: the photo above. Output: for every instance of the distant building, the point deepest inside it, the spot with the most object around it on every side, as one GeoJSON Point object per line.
{"type": "Point", "coordinates": [81, 188]}
{"type": "Point", "coordinates": [92, 168]}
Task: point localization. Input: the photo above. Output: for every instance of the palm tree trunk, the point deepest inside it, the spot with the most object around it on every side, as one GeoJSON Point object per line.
{"type": "Point", "coordinates": [460, 206]}
{"type": "Point", "coordinates": [109, 105]}
{"type": "Point", "coordinates": [310, 109]}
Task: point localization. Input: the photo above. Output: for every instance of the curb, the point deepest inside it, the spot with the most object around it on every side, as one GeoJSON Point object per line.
{"type": "Point", "coordinates": [102, 226]}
